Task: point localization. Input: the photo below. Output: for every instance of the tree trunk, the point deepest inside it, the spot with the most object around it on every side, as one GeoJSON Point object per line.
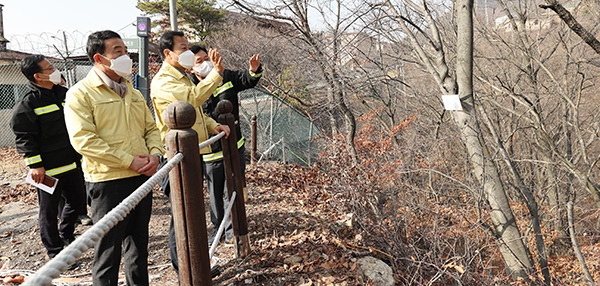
{"type": "Point", "coordinates": [556, 200]}
{"type": "Point", "coordinates": [575, 244]}
{"type": "Point", "coordinates": [331, 113]}
{"type": "Point", "coordinates": [350, 134]}
{"type": "Point", "coordinates": [514, 251]}
{"type": "Point", "coordinates": [528, 197]}
{"type": "Point", "coordinates": [349, 122]}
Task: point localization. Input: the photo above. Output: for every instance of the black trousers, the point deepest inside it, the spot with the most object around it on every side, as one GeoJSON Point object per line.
{"type": "Point", "coordinates": [165, 186]}
{"type": "Point", "coordinates": [173, 246]}
{"type": "Point", "coordinates": [129, 236]}
{"type": "Point", "coordinates": [71, 189]}
{"type": "Point", "coordinates": [214, 172]}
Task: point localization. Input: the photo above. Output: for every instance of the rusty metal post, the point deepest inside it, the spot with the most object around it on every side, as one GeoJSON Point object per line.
{"type": "Point", "coordinates": [187, 196]}
{"type": "Point", "coordinates": [253, 142]}
{"type": "Point", "coordinates": [234, 179]}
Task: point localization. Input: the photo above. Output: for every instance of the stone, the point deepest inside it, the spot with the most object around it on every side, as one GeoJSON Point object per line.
{"type": "Point", "coordinates": [375, 271]}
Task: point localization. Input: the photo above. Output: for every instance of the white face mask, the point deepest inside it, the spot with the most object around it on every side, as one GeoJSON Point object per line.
{"type": "Point", "coordinates": [121, 65]}
{"type": "Point", "coordinates": [55, 77]}
{"type": "Point", "coordinates": [186, 59]}
{"type": "Point", "coordinates": [204, 68]}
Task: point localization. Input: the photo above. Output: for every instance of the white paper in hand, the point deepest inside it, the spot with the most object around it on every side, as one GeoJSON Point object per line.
{"type": "Point", "coordinates": [451, 102]}
{"type": "Point", "coordinates": [48, 185]}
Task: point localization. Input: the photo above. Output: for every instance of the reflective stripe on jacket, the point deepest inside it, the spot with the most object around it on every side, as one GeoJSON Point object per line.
{"type": "Point", "coordinates": [219, 155]}
{"type": "Point", "coordinates": [234, 81]}
{"type": "Point", "coordinates": [62, 169]}
{"type": "Point", "coordinates": [39, 125]}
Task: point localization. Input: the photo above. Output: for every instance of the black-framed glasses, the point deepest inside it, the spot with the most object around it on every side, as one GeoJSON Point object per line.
{"type": "Point", "coordinates": [50, 68]}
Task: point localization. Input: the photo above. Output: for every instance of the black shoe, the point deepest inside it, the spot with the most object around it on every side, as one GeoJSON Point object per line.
{"type": "Point", "coordinates": [74, 266]}
{"type": "Point", "coordinates": [67, 240]}
{"type": "Point", "coordinates": [52, 255]}
{"type": "Point", "coordinates": [84, 220]}
{"type": "Point", "coordinates": [215, 271]}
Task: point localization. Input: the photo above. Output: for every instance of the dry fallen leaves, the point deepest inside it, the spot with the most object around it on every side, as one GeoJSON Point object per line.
{"type": "Point", "coordinates": [13, 279]}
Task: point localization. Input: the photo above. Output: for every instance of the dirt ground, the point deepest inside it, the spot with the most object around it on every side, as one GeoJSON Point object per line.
{"type": "Point", "coordinates": [21, 249]}
{"type": "Point", "coordinates": [288, 230]}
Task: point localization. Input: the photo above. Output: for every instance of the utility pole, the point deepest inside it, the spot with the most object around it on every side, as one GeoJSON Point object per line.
{"type": "Point", "coordinates": [143, 28]}
{"type": "Point", "coordinates": [173, 14]}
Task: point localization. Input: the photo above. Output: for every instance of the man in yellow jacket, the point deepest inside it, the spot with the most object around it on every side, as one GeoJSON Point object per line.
{"type": "Point", "coordinates": [110, 125]}
{"type": "Point", "coordinates": [172, 84]}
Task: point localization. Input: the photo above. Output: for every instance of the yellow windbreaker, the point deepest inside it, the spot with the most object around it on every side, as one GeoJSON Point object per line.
{"type": "Point", "coordinates": [170, 85]}
{"type": "Point", "coordinates": [107, 130]}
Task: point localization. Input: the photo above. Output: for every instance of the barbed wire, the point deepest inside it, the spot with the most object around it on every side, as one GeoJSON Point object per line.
{"type": "Point", "coordinates": [50, 44]}
{"type": "Point", "coordinates": [59, 44]}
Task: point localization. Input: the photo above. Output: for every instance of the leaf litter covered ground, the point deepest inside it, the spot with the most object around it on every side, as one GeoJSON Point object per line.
{"type": "Point", "coordinates": [300, 233]}
{"type": "Point", "coordinates": [294, 230]}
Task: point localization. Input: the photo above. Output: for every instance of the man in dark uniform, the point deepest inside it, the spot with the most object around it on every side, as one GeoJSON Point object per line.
{"type": "Point", "coordinates": [234, 81]}
{"type": "Point", "coordinates": [41, 135]}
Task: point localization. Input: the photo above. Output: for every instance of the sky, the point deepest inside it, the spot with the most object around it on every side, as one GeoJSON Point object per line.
{"type": "Point", "coordinates": [40, 26]}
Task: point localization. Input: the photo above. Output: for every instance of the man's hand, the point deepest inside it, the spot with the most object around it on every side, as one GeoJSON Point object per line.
{"type": "Point", "coordinates": [217, 61]}
{"type": "Point", "coordinates": [151, 165]}
{"type": "Point", "coordinates": [37, 174]}
{"type": "Point", "coordinates": [138, 162]}
{"type": "Point", "coordinates": [254, 62]}
{"type": "Point", "coordinates": [220, 128]}
{"type": "Point", "coordinates": [144, 164]}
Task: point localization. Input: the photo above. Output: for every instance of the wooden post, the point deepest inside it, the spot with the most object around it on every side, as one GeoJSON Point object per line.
{"type": "Point", "coordinates": [253, 142]}
{"type": "Point", "coordinates": [187, 199]}
{"type": "Point", "coordinates": [234, 179]}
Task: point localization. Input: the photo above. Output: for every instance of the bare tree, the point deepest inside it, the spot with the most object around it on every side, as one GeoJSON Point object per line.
{"type": "Point", "coordinates": [529, 125]}
{"type": "Point", "coordinates": [429, 47]}
{"type": "Point", "coordinates": [539, 95]}
{"type": "Point", "coordinates": [282, 58]}
{"type": "Point", "coordinates": [324, 50]}
{"type": "Point", "coordinates": [573, 24]}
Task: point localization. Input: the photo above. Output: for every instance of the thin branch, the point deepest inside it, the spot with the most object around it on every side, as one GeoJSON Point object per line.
{"type": "Point", "coordinates": [568, 18]}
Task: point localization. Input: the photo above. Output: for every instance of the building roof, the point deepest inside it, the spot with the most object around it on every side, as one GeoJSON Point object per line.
{"type": "Point", "coordinates": [10, 56]}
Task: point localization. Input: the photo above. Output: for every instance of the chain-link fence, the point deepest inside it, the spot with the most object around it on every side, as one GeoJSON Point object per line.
{"type": "Point", "coordinates": [13, 85]}
{"type": "Point", "coordinates": [283, 133]}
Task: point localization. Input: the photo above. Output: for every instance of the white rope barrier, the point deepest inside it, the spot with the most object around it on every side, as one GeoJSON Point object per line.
{"type": "Point", "coordinates": [53, 268]}
{"type": "Point", "coordinates": [212, 140]}
{"type": "Point", "coordinates": [225, 222]}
